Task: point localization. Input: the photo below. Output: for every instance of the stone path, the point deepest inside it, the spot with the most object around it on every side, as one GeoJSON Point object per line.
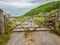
{"type": "Point", "coordinates": [34, 38]}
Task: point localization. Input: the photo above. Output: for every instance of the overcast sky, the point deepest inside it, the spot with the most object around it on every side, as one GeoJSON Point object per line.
{"type": "Point", "coordinates": [20, 7]}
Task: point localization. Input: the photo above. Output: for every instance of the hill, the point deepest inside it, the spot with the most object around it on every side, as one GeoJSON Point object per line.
{"type": "Point", "coordinates": [49, 7]}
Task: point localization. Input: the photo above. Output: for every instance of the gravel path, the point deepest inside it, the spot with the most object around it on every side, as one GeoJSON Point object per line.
{"type": "Point", "coordinates": [34, 38]}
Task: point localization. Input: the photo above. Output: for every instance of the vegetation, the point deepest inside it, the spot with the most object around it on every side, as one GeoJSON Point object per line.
{"type": "Point", "coordinates": [40, 19]}
{"type": "Point", "coordinates": [32, 40]}
{"type": "Point", "coordinates": [53, 11]}
{"type": "Point", "coordinates": [21, 19]}
{"type": "Point", "coordinates": [56, 31]}
{"type": "Point", "coordinates": [26, 34]}
{"type": "Point", "coordinates": [4, 39]}
{"type": "Point", "coordinates": [59, 24]}
{"type": "Point", "coordinates": [44, 8]}
{"type": "Point", "coordinates": [10, 26]}
{"type": "Point", "coordinates": [50, 8]}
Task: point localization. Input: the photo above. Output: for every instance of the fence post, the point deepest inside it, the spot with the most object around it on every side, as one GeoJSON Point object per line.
{"type": "Point", "coordinates": [56, 22]}
{"type": "Point", "coordinates": [2, 28]}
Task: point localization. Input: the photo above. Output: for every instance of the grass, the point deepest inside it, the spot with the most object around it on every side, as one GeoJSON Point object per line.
{"type": "Point", "coordinates": [21, 19]}
{"type": "Point", "coordinates": [52, 6]}
{"type": "Point", "coordinates": [26, 34]}
{"type": "Point", "coordinates": [4, 39]}
{"type": "Point", "coordinates": [10, 26]}
{"type": "Point", "coordinates": [56, 32]}
{"type": "Point", "coordinates": [40, 19]}
{"type": "Point", "coordinates": [53, 11]}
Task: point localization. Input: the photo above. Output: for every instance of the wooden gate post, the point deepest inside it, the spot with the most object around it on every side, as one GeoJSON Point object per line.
{"type": "Point", "coordinates": [56, 22]}
{"type": "Point", "coordinates": [2, 29]}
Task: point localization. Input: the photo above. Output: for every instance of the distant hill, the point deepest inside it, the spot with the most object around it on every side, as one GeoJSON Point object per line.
{"type": "Point", "coordinates": [49, 7]}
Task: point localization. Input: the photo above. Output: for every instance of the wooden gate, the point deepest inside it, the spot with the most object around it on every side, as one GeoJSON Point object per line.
{"type": "Point", "coordinates": [50, 23]}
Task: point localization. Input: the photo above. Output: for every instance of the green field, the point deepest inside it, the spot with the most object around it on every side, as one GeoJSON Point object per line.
{"type": "Point", "coordinates": [52, 6]}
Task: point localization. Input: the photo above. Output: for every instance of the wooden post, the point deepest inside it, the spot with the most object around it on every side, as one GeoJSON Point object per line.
{"type": "Point", "coordinates": [2, 22]}
{"type": "Point", "coordinates": [5, 22]}
{"type": "Point", "coordinates": [56, 22]}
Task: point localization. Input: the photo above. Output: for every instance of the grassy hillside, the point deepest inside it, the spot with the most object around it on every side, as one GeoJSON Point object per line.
{"type": "Point", "coordinates": [49, 7]}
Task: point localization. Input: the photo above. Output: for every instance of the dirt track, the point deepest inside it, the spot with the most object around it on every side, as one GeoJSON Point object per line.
{"type": "Point", "coordinates": [35, 38]}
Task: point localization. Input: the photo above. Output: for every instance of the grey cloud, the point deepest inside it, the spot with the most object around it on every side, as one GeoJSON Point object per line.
{"type": "Point", "coordinates": [32, 1]}
{"type": "Point", "coordinates": [40, 1]}
{"type": "Point", "coordinates": [14, 11]}
{"type": "Point", "coordinates": [10, 0]}
{"type": "Point", "coordinates": [18, 11]}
